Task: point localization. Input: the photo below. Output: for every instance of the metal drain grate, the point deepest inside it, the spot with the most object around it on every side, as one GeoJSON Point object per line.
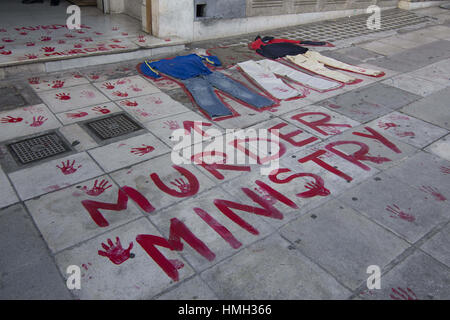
{"type": "Point", "coordinates": [114, 126]}
{"type": "Point", "coordinates": [38, 148]}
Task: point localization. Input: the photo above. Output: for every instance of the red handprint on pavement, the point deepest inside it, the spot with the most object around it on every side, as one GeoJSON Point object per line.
{"type": "Point", "coordinates": [48, 49]}
{"type": "Point", "coordinates": [57, 84]}
{"type": "Point", "coordinates": [78, 45]}
{"type": "Point", "coordinates": [62, 96]}
{"type": "Point", "coordinates": [122, 81]}
{"type": "Point", "coordinates": [156, 100]}
{"type": "Point", "coordinates": [68, 168]}
{"type": "Point", "coordinates": [94, 76]}
{"type": "Point", "coordinates": [30, 44]}
{"type": "Point", "coordinates": [5, 52]}
{"type": "Point", "coordinates": [45, 38]}
{"type": "Point", "coordinates": [115, 252]}
{"type": "Point", "coordinates": [108, 85]}
{"type": "Point", "coordinates": [142, 150]}
{"type": "Point", "coordinates": [141, 38]}
{"type": "Point", "coordinates": [129, 103]}
{"type": "Point", "coordinates": [135, 88]}
{"type": "Point", "coordinates": [434, 192]}
{"type": "Point", "coordinates": [396, 212]}
{"type": "Point", "coordinates": [120, 94]}
{"type": "Point", "coordinates": [7, 40]}
{"type": "Point", "coordinates": [61, 41]}
{"type": "Point", "coordinates": [102, 110]}
{"type": "Point", "coordinates": [403, 294]}
{"type": "Point", "coordinates": [88, 39]}
{"type": "Point", "coordinates": [76, 115]}
{"type": "Point", "coordinates": [445, 170]}
{"type": "Point", "coordinates": [172, 124]}
{"type": "Point", "coordinates": [98, 188]}
{"type": "Point", "coordinates": [315, 188]}
{"type": "Point", "coordinates": [386, 125]}
{"type": "Point", "coordinates": [182, 186]}
{"type": "Point", "coordinates": [34, 80]}
{"type": "Point", "coordinates": [406, 134]}
{"type": "Point", "coordinates": [10, 119]}
{"type": "Point", "coordinates": [68, 35]}
{"type": "Point", "coordinates": [31, 56]}
{"type": "Point", "coordinates": [88, 94]}
{"type": "Point", "coordinates": [37, 122]}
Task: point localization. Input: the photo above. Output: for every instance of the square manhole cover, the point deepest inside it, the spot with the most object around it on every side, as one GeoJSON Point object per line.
{"type": "Point", "coordinates": [38, 148]}
{"type": "Point", "coordinates": [113, 126]}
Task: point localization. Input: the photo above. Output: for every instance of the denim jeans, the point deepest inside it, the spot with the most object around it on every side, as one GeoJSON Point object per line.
{"type": "Point", "coordinates": [202, 90]}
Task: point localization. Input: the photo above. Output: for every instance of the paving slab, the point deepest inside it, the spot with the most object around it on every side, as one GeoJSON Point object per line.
{"type": "Point", "coordinates": [152, 107]}
{"type": "Point", "coordinates": [64, 221]}
{"type": "Point", "coordinates": [25, 255]}
{"type": "Point", "coordinates": [7, 195]}
{"type": "Point", "coordinates": [370, 102]}
{"type": "Point", "coordinates": [408, 212]}
{"type": "Point", "coordinates": [181, 186]}
{"type": "Point", "coordinates": [418, 277]}
{"type": "Point", "coordinates": [379, 47]}
{"type": "Point", "coordinates": [272, 269]}
{"type": "Point", "coordinates": [310, 118]}
{"type": "Point", "coordinates": [129, 278]}
{"type": "Point", "coordinates": [26, 121]}
{"type": "Point", "coordinates": [60, 100]}
{"type": "Point", "coordinates": [425, 172]}
{"type": "Point", "coordinates": [357, 53]}
{"type": "Point", "coordinates": [433, 108]}
{"type": "Point", "coordinates": [436, 72]}
{"type": "Point", "coordinates": [407, 129]}
{"type": "Point", "coordinates": [87, 113]}
{"type": "Point", "coordinates": [128, 87]}
{"type": "Point", "coordinates": [125, 153]}
{"type": "Point", "coordinates": [54, 175]}
{"type": "Point", "coordinates": [194, 289]}
{"type": "Point", "coordinates": [439, 246]}
{"type": "Point", "coordinates": [343, 242]}
{"type": "Point", "coordinates": [223, 243]}
{"type": "Point", "coordinates": [441, 148]}
{"type": "Point", "coordinates": [78, 138]}
{"type": "Point", "coordinates": [414, 85]}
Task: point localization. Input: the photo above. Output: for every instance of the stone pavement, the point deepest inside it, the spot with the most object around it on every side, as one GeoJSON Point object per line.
{"type": "Point", "coordinates": [370, 187]}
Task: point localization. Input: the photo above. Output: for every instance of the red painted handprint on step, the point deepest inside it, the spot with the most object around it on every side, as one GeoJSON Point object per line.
{"type": "Point", "coordinates": [434, 192]}
{"type": "Point", "coordinates": [62, 96]}
{"type": "Point", "coordinates": [34, 80]}
{"type": "Point", "coordinates": [31, 56]}
{"type": "Point", "coordinates": [396, 212]}
{"type": "Point", "coordinates": [445, 170]}
{"type": "Point", "coordinates": [76, 115]}
{"type": "Point", "coordinates": [68, 168]}
{"type": "Point", "coordinates": [403, 294]}
{"type": "Point", "coordinates": [108, 85]}
{"type": "Point", "coordinates": [48, 49]}
{"type": "Point", "coordinates": [120, 94]}
{"type": "Point", "coordinates": [45, 38]}
{"type": "Point", "coordinates": [142, 150]}
{"type": "Point", "coordinates": [102, 110]}
{"type": "Point", "coordinates": [115, 253]}
{"type": "Point", "coordinates": [171, 124]}
{"type": "Point", "coordinates": [57, 84]}
{"type": "Point", "coordinates": [39, 121]}
{"type": "Point", "coordinates": [315, 188]}
{"type": "Point", "coordinates": [182, 186]}
{"type": "Point", "coordinates": [10, 119]}
{"type": "Point", "coordinates": [386, 125]}
{"type": "Point", "coordinates": [98, 188]}
{"type": "Point", "coordinates": [129, 103]}
{"type": "Point", "coordinates": [5, 52]}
